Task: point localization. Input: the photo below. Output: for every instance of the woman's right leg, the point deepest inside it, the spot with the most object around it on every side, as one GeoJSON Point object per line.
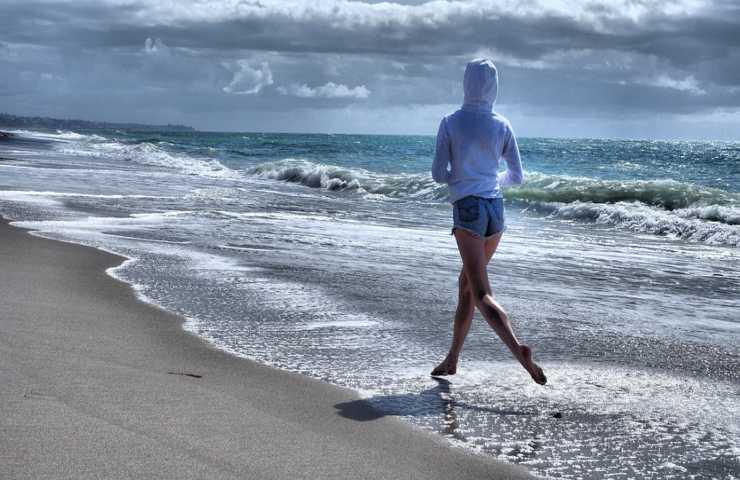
{"type": "Point", "coordinates": [472, 252]}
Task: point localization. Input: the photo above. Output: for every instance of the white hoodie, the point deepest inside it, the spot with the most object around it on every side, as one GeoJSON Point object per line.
{"type": "Point", "coordinates": [474, 138]}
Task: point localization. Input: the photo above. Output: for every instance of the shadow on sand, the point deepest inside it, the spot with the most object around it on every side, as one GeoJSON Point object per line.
{"type": "Point", "coordinates": [438, 399]}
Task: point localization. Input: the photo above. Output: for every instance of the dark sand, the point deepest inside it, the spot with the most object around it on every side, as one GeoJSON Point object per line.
{"type": "Point", "coordinates": [86, 393]}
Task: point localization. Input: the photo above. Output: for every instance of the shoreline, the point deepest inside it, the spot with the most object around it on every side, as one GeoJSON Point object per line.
{"type": "Point", "coordinates": [99, 383]}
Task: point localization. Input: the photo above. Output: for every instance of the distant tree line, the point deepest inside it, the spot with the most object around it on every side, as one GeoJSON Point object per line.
{"type": "Point", "coordinates": [16, 121]}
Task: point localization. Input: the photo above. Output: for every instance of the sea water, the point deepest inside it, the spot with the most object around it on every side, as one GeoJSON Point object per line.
{"type": "Point", "coordinates": [331, 255]}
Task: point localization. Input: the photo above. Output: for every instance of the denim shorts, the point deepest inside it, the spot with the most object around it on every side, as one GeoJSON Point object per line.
{"type": "Point", "coordinates": [483, 217]}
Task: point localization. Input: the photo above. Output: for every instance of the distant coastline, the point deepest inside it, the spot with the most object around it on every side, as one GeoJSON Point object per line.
{"type": "Point", "coordinates": [17, 121]}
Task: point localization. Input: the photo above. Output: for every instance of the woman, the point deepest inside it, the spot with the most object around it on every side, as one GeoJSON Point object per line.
{"type": "Point", "coordinates": [471, 141]}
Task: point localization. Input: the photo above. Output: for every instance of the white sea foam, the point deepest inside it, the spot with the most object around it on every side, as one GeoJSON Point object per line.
{"type": "Point", "coordinates": [610, 390]}
{"type": "Point", "coordinates": [538, 187]}
{"type": "Point", "coordinates": [59, 136]}
{"type": "Point", "coordinates": [660, 207]}
{"type": "Point", "coordinates": [715, 213]}
{"type": "Point", "coordinates": [153, 155]}
{"type": "Point", "coordinates": [672, 466]}
{"type": "Point", "coordinates": [24, 194]}
{"type": "Point", "coordinates": [638, 217]}
{"type": "Point", "coordinates": [310, 174]}
{"type": "Point", "coordinates": [28, 197]}
{"type": "Point", "coordinates": [102, 231]}
{"type": "Point", "coordinates": [613, 408]}
{"type": "Point", "coordinates": [144, 153]}
{"type": "Point", "coordinates": [335, 178]}
{"type": "Point", "coordinates": [364, 323]}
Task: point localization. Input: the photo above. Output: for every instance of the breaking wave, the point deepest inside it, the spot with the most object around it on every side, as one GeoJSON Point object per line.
{"type": "Point", "coordinates": [666, 194]}
{"type": "Point", "coordinates": [147, 153]}
{"type": "Point", "coordinates": [661, 207]}
{"type": "Point", "coordinates": [682, 224]}
{"type": "Point", "coordinates": [58, 136]}
{"type": "Point", "coordinates": [311, 175]}
{"type": "Point", "coordinates": [334, 178]}
{"type": "Point", "coordinates": [153, 153]}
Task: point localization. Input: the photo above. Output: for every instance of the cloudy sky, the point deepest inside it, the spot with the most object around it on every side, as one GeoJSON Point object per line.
{"type": "Point", "coordinates": [617, 68]}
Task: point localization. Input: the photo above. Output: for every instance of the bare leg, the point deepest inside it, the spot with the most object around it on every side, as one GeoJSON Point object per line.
{"type": "Point", "coordinates": [464, 313]}
{"type": "Point", "coordinates": [472, 252]}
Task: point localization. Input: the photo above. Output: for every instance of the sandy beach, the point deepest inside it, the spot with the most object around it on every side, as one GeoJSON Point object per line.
{"type": "Point", "coordinates": [234, 239]}
{"type": "Point", "coordinates": [97, 384]}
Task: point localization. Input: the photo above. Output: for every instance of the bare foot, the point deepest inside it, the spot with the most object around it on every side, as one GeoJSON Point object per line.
{"type": "Point", "coordinates": [447, 367]}
{"type": "Point", "coordinates": [534, 370]}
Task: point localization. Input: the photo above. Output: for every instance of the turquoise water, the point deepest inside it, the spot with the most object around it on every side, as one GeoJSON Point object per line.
{"type": "Point", "coordinates": [330, 255]}
{"type": "Point", "coordinates": [604, 178]}
{"type": "Point", "coordinates": [710, 164]}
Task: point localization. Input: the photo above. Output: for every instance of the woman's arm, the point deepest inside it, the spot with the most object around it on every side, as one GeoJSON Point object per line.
{"type": "Point", "coordinates": [513, 174]}
{"type": "Point", "coordinates": [442, 155]}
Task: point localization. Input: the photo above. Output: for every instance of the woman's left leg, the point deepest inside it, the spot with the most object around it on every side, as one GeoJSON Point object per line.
{"type": "Point", "coordinates": [472, 252]}
{"type": "Point", "coordinates": [464, 313]}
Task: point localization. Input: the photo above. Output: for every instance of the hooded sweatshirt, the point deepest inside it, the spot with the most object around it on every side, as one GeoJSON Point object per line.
{"type": "Point", "coordinates": [473, 139]}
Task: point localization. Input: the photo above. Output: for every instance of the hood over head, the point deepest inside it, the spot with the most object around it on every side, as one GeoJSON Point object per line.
{"type": "Point", "coordinates": [480, 84]}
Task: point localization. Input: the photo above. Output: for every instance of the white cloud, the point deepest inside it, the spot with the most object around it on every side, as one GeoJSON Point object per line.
{"type": "Point", "coordinates": [248, 80]}
{"type": "Point", "coordinates": [328, 90]}
{"type": "Point", "coordinates": [638, 58]}
{"type": "Point", "coordinates": [155, 46]}
{"type": "Point", "coordinates": [688, 84]}
{"type": "Point", "coordinates": [347, 14]}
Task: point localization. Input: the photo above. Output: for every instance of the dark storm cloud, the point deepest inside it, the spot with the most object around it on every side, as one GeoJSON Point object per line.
{"type": "Point", "coordinates": [601, 57]}
{"type": "Point", "coordinates": [524, 29]}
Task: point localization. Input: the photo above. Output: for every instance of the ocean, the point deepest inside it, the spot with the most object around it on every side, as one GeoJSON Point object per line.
{"type": "Point", "coordinates": [331, 256]}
